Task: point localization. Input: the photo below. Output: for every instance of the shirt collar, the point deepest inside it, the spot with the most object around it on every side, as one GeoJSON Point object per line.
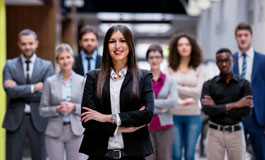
{"type": "Point", "coordinates": [234, 77]}
{"type": "Point", "coordinates": [249, 53]}
{"type": "Point", "coordinates": [62, 78]}
{"type": "Point", "coordinates": [93, 56]}
{"type": "Point", "coordinates": [122, 73]}
{"type": "Point", "coordinates": [162, 77]}
{"type": "Point", "coordinates": [32, 59]}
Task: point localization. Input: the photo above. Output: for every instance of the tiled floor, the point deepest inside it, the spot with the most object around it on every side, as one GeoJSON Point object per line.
{"type": "Point", "coordinates": [197, 156]}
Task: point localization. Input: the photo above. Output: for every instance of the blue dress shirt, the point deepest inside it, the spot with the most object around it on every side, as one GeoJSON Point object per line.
{"type": "Point", "coordinates": [66, 93]}
{"type": "Point", "coordinates": [92, 61]}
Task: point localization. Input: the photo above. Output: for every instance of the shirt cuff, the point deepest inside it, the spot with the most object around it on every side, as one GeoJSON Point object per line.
{"type": "Point", "coordinates": [116, 131]}
{"type": "Point", "coordinates": [118, 124]}
{"type": "Point", "coordinates": [118, 120]}
{"type": "Point", "coordinates": [54, 110]}
{"type": "Point", "coordinates": [32, 88]}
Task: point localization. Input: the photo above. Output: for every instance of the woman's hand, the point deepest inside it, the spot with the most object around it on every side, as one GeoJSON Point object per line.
{"type": "Point", "coordinates": [129, 129]}
{"type": "Point", "coordinates": [187, 101]}
{"type": "Point", "coordinates": [65, 107]}
{"type": "Point", "coordinates": [91, 114]}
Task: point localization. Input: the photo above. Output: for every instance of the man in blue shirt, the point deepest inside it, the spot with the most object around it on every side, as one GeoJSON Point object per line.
{"type": "Point", "coordinates": [88, 59]}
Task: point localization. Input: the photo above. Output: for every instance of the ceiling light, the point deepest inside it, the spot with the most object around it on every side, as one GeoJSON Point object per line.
{"type": "Point", "coordinates": [142, 16]}
{"type": "Point", "coordinates": [77, 3]}
{"type": "Point", "coordinates": [204, 4]}
{"type": "Point", "coordinates": [105, 26]}
{"type": "Point", "coordinates": [193, 9]}
{"type": "Point", "coordinates": [151, 28]}
{"type": "Point", "coordinates": [107, 16]}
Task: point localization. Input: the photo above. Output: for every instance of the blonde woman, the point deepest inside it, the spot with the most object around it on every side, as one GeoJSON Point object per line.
{"type": "Point", "coordinates": [60, 102]}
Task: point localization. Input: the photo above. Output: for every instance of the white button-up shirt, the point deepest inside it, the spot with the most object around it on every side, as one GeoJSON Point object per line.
{"type": "Point", "coordinates": [249, 59]}
{"type": "Point", "coordinates": [31, 66]}
{"type": "Point", "coordinates": [116, 142]}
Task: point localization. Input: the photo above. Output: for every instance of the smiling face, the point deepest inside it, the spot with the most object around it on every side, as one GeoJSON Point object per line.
{"type": "Point", "coordinates": [28, 45]}
{"type": "Point", "coordinates": [244, 39]}
{"type": "Point", "coordinates": [65, 60]}
{"type": "Point", "coordinates": [224, 62]}
{"type": "Point", "coordinates": [118, 48]}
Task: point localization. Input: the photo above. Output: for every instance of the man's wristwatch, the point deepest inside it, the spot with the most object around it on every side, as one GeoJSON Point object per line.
{"type": "Point", "coordinates": [114, 119]}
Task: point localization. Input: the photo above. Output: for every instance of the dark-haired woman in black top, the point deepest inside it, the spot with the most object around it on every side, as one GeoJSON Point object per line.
{"type": "Point", "coordinates": [117, 103]}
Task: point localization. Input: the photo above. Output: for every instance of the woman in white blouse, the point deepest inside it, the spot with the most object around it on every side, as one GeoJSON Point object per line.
{"type": "Point", "coordinates": [185, 65]}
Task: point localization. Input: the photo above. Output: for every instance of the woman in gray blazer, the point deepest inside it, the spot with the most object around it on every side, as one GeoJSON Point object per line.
{"type": "Point", "coordinates": [60, 101]}
{"type": "Point", "coordinates": [165, 90]}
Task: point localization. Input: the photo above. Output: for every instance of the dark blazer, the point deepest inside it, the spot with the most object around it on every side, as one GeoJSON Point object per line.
{"type": "Point", "coordinates": [257, 83]}
{"type": "Point", "coordinates": [96, 135]}
{"type": "Point", "coordinates": [78, 66]}
{"type": "Point", "coordinates": [21, 94]}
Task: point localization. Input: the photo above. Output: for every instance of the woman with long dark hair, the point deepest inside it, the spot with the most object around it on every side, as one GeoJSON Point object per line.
{"type": "Point", "coordinates": [117, 103]}
{"type": "Point", "coordinates": [185, 65]}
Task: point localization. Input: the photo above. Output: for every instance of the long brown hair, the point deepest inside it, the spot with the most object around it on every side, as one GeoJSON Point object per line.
{"type": "Point", "coordinates": [174, 56]}
{"type": "Point", "coordinates": [107, 61]}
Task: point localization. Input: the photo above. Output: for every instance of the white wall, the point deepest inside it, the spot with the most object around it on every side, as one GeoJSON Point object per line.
{"type": "Point", "coordinates": [215, 27]}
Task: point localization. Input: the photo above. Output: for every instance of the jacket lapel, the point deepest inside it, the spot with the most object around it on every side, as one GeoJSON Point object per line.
{"type": "Point", "coordinates": [20, 70]}
{"type": "Point", "coordinates": [124, 95]}
{"type": "Point", "coordinates": [126, 79]}
{"type": "Point", "coordinates": [80, 64]}
{"type": "Point", "coordinates": [76, 93]}
{"type": "Point", "coordinates": [36, 70]}
{"type": "Point", "coordinates": [98, 62]}
{"type": "Point", "coordinates": [254, 69]}
{"type": "Point", "coordinates": [106, 94]}
{"type": "Point", "coordinates": [58, 87]}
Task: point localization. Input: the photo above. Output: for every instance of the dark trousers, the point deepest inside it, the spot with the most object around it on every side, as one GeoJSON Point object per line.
{"type": "Point", "coordinates": [257, 136]}
{"type": "Point", "coordinates": [124, 158]}
{"type": "Point", "coordinates": [15, 141]}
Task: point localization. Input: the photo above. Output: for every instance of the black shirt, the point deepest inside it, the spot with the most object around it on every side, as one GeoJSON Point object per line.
{"type": "Point", "coordinates": [223, 93]}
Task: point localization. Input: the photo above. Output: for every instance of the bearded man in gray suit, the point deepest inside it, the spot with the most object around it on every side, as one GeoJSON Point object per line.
{"type": "Point", "coordinates": [23, 79]}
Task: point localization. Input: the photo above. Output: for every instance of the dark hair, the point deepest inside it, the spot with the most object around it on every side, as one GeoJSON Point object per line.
{"type": "Point", "coordinates": [25, 32]}
{"type": "Point", "coordinates": [243, 26]}
{"type": "Point", "coordinates": [222, 50]}
{"type": "Point", "coordinates": [87, 29]}
{"type": "Point", "coordinates": [174, 56]}
{"type": "Point", "coordinates": [107, 65]}
{"type": "Point", "coordinates": [154, 47]}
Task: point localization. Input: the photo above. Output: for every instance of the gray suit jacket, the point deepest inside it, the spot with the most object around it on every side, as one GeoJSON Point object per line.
{"type": "Point", "coordinates": [52, 97]}
{"type": "Point", "coordinates": [22, 94]}
{"type": "Point", "coordinates": [163, 102]}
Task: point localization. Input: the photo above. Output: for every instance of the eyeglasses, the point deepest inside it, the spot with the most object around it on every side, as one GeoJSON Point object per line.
{"type": "Point", "coordinates": [154, 57]}
{"type": "Point", "coordinates": [226, 61]}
